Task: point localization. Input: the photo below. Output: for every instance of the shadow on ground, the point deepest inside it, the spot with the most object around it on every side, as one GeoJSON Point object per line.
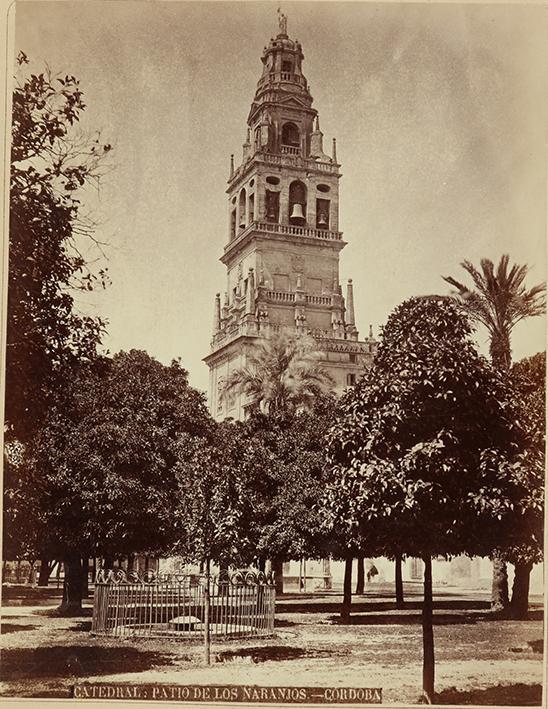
{"type": "Point", "coordinates": [82, 627]}
{"type": "Point", "coordinates": [371, 606]}
{"type": "Point", "coordinates": [276, 653]}
{"type": "Point", "coordinates": [6, 628]}
{"type": "Point", "coordinates": [56, 613]}
{"type": "Point", "coordinates": [78, 661]}
{"type": "Point", "coordinates": [411, 619]}
{"type": "Point", "coordinates": [501, 695]}
{"type": "Point", "coordinates": [531, 646]}
{"type": "Point", "coordinates": [402, 618]}
{"type": "Point", "coordinates": [23, 595]}
{"type": "Point", "coordinates": [282, 623]}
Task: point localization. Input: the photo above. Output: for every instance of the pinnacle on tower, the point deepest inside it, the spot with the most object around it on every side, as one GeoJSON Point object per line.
{"type": "Point", "coordinates": [350, 318]}
{"type": "Point", "coordinates": [217, 314]}
{"type": "Point", "coordinates": [250, 293]}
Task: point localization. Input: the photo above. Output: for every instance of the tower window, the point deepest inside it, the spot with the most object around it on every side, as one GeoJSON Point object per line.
{"type": "Point", "coordinates": [323, 188]}
{"type": "Point", "coordinates": [291, 135]}
{"type": "Point", "coordinates": [272, 206]}
{"type": "Point", "coordinates": [322, 214]}
{"type": "Point", "coordinates": [297, 202]}
{"type": "Point", "coordinates": [242, 217]}
{"type": "Point", "coordinates": [251, 210]}
{"type": "Point", "coordinates": [351, 357]}
{"type": "Point", "coordinates": [273, 180]}
{"type": "Point", "coordinates": [287, 66]}
{"type": "Point", "coordinates": [350, 380]}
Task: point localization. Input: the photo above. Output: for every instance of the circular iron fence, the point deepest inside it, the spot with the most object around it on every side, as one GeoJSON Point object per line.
{"type": "Point", "coordinates": [129, 604]}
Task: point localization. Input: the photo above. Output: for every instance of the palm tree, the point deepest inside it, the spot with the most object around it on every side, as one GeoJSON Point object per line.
{"type": "Point", "coordinates": [282, 374]}
{"type": "Point", "coordinates": [499, 300]}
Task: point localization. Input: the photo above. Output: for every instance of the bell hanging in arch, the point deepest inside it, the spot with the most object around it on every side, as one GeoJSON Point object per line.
{"type": "Point", "coordinates": [297, 211]}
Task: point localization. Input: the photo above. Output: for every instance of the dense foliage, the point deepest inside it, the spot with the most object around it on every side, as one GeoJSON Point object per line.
{"type": "Point", "coordinates": [287, 489]}
{"type": "Point", "coordinates": [423, 449]}
{"type": "Point", "coordinates": [51, 165]}
{"type": "Point", "coordinates": [528, 377]}
{"type": "Point", "coordinates": [101, 473]}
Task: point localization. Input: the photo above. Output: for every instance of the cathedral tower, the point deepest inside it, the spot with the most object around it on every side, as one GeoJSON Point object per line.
{"type": "Point", "coordinates": [282, 252]}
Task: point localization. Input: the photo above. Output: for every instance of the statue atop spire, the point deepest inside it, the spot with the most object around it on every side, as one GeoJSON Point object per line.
{"type": "Point", "coordinates": [282, 21]}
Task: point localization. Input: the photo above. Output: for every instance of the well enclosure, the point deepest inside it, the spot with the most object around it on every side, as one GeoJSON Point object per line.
{"type": "Point", "coordinates": [241, 604]}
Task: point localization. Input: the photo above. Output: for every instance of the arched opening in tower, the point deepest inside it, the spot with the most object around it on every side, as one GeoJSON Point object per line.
{"type": "Point", "coordinates": [297, 202]}
{"type": "Point", "coordinates": [291, 137]}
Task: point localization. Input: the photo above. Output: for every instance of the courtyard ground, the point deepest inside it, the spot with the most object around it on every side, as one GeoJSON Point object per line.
{"type": "Point", "coordinates": [479, 659]}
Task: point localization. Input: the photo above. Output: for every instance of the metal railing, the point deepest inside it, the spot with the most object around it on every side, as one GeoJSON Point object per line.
{"type": "Point", "coordinates": [172, 605]}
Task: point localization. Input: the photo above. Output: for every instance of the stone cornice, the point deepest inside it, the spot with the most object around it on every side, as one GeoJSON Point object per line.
{"type": "Point", "coordinates": [282, 233]}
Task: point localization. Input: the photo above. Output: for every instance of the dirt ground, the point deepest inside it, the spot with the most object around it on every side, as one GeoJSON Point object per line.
{"type": "Point", "coordinates": [479, 659]}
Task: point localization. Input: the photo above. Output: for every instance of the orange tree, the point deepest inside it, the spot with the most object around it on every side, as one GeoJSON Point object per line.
{"type": "Point", "coordinates": [51, 231]}
{"type": "Point", "coordinates": [528, 378]}
{"type": "Point", "coordinates": [100, 478]}
{"type": "Point", "coordinates": [421, 454]}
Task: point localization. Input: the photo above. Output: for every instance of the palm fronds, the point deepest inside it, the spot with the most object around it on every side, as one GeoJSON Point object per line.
{"type": "Point", "coordinates": [499, 300]}
{"type": "Point", "coordinates": [283, 373]}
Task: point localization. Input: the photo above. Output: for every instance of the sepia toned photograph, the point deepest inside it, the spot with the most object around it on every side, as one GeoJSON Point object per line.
{"type": "Point", "coordinates": [273, 345]}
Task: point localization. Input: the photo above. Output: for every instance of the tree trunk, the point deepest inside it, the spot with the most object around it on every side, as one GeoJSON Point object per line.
{"type": "Point", "coordinates": [278, 569]}
{"type": "Point", "coordinates": [261, 565]}
{"type": "Point", "coordinates": [45, 571]}
{"type": "Point", "coordinates": [519, 605]}
{"type": "Point", "coordinates": [360, 581]}
{"type": "Point", "coordinates": [399, 581]}
{"type": "Point", "coordinates": [427, 634]}
{"type": "Point", "coordinates": [108, 562]}
{"type": "Point", "coordinates": [347, 590]}
{"type": "Point", "coordinates": [85, 577]}
{"type": "Point", "coordinates": [327, 581]}
{"type": "Point", "coordinates": [130, 562]}
{"type": "Point", "coordinates": [72, 587]}
{"type": "Point", "coordinates": [32, 573]}
{"type": "Point", "coordinates": [207, 635]}
{"type": "Point", "coordinates": [499, 588]}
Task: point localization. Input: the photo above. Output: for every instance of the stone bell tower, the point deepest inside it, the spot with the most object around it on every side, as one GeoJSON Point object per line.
{"type": "Point", "coordinates": [282, 252]}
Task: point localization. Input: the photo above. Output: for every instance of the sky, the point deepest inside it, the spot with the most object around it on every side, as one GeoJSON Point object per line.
{"type": "Point", "coordinates": [439, 112]}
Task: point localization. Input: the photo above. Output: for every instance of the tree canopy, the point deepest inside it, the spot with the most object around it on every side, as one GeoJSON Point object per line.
{"type": "Point", "coordinates": [52, 164]}
{"type": "Point", "coordinates": [423, 448]}
{"type": "Point", "coordinates": [102, 469]}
